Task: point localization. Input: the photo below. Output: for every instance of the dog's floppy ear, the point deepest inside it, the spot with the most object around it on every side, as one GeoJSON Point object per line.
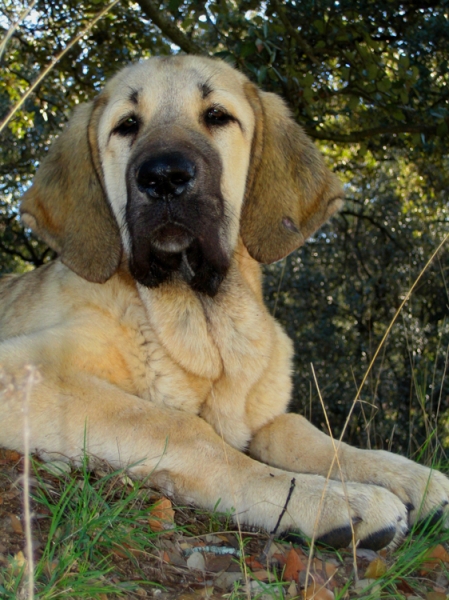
{"type": "Point", "coordinates": [67, 206]}
{"type": "Point", "coordinates": [290, 192]}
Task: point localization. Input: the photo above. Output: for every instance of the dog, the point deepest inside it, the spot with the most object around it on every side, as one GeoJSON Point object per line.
{"type": "Point", "coordinates": [154, 348]}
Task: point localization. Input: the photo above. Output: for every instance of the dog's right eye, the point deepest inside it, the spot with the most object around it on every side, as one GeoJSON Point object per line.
{"type": "Point", "coordinates": [129, 126]}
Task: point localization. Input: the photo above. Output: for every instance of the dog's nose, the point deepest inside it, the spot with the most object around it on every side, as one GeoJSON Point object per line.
{"type": "Point", "coordinates": [165, 176]}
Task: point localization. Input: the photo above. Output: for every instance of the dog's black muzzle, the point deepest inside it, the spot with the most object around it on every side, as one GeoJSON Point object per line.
{"type": "Point", "coordinates": [166, 176]}
{"type": "Point", "coordinates": [176, 216]}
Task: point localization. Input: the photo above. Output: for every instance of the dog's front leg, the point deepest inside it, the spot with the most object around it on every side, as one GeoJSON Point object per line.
{"type": "Point", "coordinates": [290, 442]}
{"type": "Point", "coordinates": [182, 454]}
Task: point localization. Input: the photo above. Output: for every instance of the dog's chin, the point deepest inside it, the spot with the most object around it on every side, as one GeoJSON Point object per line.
{"type": "Point", "coordinates": [172, 239]}
{"type": "Point", "coordinates": [175, 254]}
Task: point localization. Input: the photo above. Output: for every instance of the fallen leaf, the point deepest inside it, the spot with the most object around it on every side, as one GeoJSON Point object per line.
{"type": "Point", "coordinates": [16, 524]}
{"type": "Point", "coordinates": [404, 587]}
{"type": "Point", "coordinates": [325, 567]}
{"type": "Point", "coordinates": [215, 564]}
{"type": "Point", "coordinates": [253, 563]}
{"type": "Point", "coordinates": [18, 564]}
{"type": "Point", "coordinates": [162, 517]}
{"type": "Point", "coordinates": [293, 566]}
{"type": "Point", "coordinates": [318, 593]}
{"type": "Point", "coordinates": [376, 569]}
{"type": "Point", "coordinates": [439, 553]}
{"type": "Point", "coordinates": [20, 558]}
{"type": "Point", "coordinates": [433, 558]}
{"type": "Point", "coordinates": [11, 455]}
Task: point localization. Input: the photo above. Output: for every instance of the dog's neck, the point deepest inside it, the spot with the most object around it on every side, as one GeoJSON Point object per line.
{"type": "Point", "coordinates": [190, 324]}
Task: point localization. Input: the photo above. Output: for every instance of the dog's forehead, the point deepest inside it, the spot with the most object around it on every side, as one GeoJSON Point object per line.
{"type": "Point", "coordinates": [173, 79]}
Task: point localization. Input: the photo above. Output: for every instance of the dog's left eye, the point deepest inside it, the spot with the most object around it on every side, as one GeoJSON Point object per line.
{"type": "Point", "coordinates": [129, 126]}
{"type": "Point", "coordinates": [217, 116]}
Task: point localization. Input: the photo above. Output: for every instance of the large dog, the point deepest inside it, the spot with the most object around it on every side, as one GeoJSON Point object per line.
{"type": "Point", "coordinates": [154, 348]}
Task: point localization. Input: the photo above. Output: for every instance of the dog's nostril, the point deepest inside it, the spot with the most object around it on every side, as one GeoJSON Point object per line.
{"type": "Point", "coordinates": [165, 176]}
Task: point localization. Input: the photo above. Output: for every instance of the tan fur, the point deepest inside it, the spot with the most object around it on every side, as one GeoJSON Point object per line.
{"type": "Point", "coordinates": [166, 380]}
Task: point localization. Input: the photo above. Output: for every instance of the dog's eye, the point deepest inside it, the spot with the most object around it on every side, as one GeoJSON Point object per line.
{"type": "Point", "coordinates": [129, 126]}
{"type": "Point", "coordinates": [217, 116]}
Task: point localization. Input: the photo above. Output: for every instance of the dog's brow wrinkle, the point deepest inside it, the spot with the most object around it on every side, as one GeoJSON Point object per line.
{"type": "Point", "coordinates": [205, 90]}
{"type": "Point", "coordinates": [134, 96]}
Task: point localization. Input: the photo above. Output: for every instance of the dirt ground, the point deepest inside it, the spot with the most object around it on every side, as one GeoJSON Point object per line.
{"type": "Point", "coordinates": [194, 555]}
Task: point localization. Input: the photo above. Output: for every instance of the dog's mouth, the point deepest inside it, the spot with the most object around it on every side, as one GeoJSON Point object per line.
{"type": "Point", "coordinates": [172, 238]}
{"type": "Point", "coordinates": [176, 218]}
{"type": "Point", "coordinates": [171, 251]}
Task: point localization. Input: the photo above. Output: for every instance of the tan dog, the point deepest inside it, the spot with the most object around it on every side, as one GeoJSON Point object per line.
{"type": "Point", "coordinates": [153, 344]}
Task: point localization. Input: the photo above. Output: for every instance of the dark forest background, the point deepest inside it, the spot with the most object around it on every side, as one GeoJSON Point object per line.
{"type": "Point", "coordinates": [369, 82]}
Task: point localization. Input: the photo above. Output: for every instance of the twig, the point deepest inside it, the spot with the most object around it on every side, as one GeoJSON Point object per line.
{"type": "Point", "coordinates": [50, 66]}
{"type": "Point", "coordinates": [31, 379]}
{"type": "Point", "coordinates": [23, 15]}
{"type": "Point", "coordinates": [267, 546]}
{"type": "Point", "coordinates": [289, 495]}
{"type": "Point", "coordinates": [169, 28]}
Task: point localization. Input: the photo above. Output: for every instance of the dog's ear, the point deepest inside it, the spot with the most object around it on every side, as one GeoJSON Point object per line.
{"type": "Point", "coordinates": [290, 192]}
{"type": "Point", "coordinates": [67, 206]}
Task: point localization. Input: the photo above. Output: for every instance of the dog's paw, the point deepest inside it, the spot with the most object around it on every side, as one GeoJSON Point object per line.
{"type": "Point", "coordinates": [424, 491]}
{"type": "Point", "coordinates": [367, 515]}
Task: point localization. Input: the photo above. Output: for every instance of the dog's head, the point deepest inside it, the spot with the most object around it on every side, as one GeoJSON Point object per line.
{"type": "Point", "coordinates": [173, 161]}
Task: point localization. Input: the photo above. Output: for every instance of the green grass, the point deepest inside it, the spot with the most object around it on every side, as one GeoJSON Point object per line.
{"type": "Point", "coordinates": [92, 522]}
{"type": "Point", "coordinates": [97, 544]}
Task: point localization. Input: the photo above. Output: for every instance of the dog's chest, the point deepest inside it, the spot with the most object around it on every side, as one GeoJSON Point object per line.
{"type": "Point", "coordinates": [205, 355]}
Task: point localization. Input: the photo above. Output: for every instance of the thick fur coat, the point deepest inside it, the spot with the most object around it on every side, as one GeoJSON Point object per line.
{"type": "Point", "coordinates": [154, 348]}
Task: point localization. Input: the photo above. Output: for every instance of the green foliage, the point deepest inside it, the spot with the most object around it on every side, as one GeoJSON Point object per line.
{"type": "Point", "coordinates": [92, 522]}
{"type": "Point", "coordinates": [369, 80]}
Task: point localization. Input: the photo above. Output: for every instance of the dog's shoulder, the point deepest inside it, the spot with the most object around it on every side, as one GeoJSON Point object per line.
{"type": "Point", "coordinates": [52, 296]}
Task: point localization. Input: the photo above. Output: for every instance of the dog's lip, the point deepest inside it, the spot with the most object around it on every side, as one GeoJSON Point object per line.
{"type": "Point", "coordinates": [172, 237]}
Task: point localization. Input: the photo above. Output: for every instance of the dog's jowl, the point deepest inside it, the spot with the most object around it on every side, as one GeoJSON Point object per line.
{"type": "Point", "coordinates": [162, 197]}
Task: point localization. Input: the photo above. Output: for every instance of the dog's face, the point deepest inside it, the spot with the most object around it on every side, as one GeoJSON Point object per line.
{"type": "Point", "coordinates": [173, 161]}
{"type": "Point", "coordinates": [174, 149]}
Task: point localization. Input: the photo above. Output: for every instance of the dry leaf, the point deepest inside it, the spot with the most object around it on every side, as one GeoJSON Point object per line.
{"type": "Point", "coordinates": [16, 524]}
{"type": "Point", "coordinates": [433, 558]}
{"type": "Point", "coordinates": [215, 564]}
{"type": "Point", "coordinates": [439, 553]}
{"type": "Point", "coordinates": [376, 569]}
{"type": "Point", "coordinates": [325, 567]}
{"type": "Point", "coordinates": [403, 586]}
{"type": "Point", "coordinates": [162, 516]}
{"type": "Point", "coordinates": [18, 564]}
{"type": "Point", "coordinates": [253, 563]}
{"type": "Point", "coordinates": [11, 455]}
{"type": "Point", "coordinates": [293, 566]}
{"type": "Point", "coordinates": [318, 593]}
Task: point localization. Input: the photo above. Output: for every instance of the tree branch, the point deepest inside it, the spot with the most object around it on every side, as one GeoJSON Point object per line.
{"type": "Point", "coordinates": [293, 32]}
{"type": "Point", "coordinates": [169, 28]}
{"type": "Point", "coordinates": [376, 224]}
